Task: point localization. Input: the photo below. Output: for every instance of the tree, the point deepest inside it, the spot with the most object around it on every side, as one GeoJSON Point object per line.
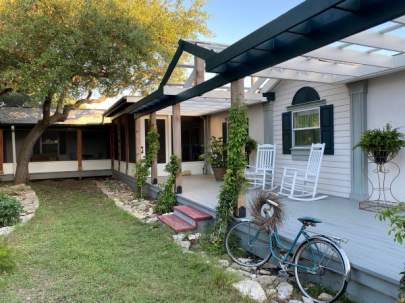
{"type": "Point", "coordinates": [60, 52]}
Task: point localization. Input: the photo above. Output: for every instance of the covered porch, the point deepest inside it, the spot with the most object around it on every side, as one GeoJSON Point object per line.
{"type": "Point", "coordinates": [373, 254]}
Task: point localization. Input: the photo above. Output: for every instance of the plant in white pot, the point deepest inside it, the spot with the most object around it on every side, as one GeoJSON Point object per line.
{"type": "Point", "coordinates": [216, 157]}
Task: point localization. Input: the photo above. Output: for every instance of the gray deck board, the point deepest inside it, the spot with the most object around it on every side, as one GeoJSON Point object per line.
{"type": "Point", "coordinates": [369, 247]}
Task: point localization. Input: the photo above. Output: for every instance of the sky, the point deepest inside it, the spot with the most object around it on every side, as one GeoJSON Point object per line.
{"type": "Point", "coordinates": [231, 20]}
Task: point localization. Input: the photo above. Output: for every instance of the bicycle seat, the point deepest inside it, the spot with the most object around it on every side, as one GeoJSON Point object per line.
{"type": "Point", "coordinates": [309, 221]}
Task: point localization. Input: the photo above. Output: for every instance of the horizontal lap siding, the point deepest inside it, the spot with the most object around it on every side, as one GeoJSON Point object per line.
{"type": "Point", "coordinates": [335, 178]}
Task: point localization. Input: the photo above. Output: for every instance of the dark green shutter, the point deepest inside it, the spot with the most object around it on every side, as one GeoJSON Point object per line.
{"type": "Point", "coordinates": [287, 132]}
{"type": "Point", "coordinates": [327, 131]}
{"type": "Point", "coordinates": [224, 132]}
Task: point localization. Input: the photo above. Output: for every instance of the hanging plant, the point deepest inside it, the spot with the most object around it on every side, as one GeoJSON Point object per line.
{"type": "Point", "coordinates": [167, 197]}
{"type": "Point", "coordinates": [382, 145]}
{"type": "Point", "coordinates": [251, 145]}
{"type": "Point", "coordinates": [234, 178]}
{"type": "Point", "coordinates": [142, 167]}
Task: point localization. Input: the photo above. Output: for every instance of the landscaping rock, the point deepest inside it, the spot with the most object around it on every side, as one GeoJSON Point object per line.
{"type": "Point", "coordinates": [294, 301]}
{"type": "Point", "coordinates": [284, 291]}
{"type": "Point", "coordinates": [193, 238]}
{"type": "Point", "coordinates": [267, 281]}
{"type": "Point", "coordinates": [223, 263]}
{"type": "Point", "coordinates": [325, 297]}
{"type": "Point", "coordinates": [178, 237]}
{"type": "Point", "coordinates": [271, 293]}
{"type": "Point", "coordinates": [307, 300]}
{"type": "Point", "coordinates": [251, 289]}
{"type": "Point", "coordinates": [185, 245]}
{"type": "Point", "coordinates": [123, 197]}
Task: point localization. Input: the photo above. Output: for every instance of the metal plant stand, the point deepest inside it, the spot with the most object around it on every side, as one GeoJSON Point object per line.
{"type": "Point", "coordinates": [381, 195]}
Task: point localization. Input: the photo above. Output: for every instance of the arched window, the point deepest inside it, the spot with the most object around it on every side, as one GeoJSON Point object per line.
{"type": "Point", "coordinates": [305, 95]}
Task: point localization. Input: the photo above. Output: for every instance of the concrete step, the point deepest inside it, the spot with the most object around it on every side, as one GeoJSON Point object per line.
{"type": "Point", "coordinates": [176, 223]}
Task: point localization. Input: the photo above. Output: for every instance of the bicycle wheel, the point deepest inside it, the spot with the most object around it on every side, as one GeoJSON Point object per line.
{"type": "Point", "coordinates": [248, 245]}
{"type": "Point", "coordinates": [322, 270]}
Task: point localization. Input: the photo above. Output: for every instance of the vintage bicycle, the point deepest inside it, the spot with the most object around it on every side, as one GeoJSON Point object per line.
{"type": "Point", "coordinates": [319, 263]}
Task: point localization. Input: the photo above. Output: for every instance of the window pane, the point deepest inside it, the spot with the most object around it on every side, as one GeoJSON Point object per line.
{"type": "Point", "coordinates": [307, 137]}
{"type": "Point", "coordinates": [305, 119]}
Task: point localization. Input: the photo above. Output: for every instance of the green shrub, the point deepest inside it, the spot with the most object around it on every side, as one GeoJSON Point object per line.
{"type": "Point", "coordinates": [167, 196]}
{"type": "Point", "coordinates": [6, 260]}
{"type": "Point", "coordinates": [143, 166]}
{"type": "Point", "coordinates": [10, 210]}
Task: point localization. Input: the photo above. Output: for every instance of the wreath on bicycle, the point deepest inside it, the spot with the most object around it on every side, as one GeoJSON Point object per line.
{"type": "Point", "coordinates": [266, 210]}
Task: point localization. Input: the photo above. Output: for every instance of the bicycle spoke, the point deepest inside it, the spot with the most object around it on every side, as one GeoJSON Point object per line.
{"type": "Point", "coordinates": [320, 268]}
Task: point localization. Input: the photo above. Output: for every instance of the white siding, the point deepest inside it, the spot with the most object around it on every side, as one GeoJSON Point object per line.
{"type": "Point", "coordinates": [335, 178]}
{"type": "Point", "coordinates": [386, 104]}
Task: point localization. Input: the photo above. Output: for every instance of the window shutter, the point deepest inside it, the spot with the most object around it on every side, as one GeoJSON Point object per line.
{"type": "Point", "coordinates": [287, 132]}
{"type": "Point", "coordinates": [327, 130]}
{"type": "Point", "coordinates": [224, 132]}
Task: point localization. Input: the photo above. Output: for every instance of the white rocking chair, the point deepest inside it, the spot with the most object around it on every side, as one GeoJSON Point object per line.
{"type": "Point", "coordinates": [302, 185]}
{"type": "Point", "coordinates": [262, 174]}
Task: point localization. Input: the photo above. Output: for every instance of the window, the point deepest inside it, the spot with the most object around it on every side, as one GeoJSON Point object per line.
{"type": "Point", "coordinates": [306, 127]}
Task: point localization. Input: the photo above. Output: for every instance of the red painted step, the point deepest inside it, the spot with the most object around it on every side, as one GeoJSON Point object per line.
{"type": "Point", "coordinates": [177, 224]}
{"type": "Point", "coordinates": [192, 213]}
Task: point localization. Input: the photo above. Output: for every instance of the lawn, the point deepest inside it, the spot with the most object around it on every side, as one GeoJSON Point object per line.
{"type": "Point", "coordinates": [81, 248]}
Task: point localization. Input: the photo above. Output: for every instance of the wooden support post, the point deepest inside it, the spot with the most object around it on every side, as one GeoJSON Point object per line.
{"type": "Point", "coordinates": [138, 145]}
{"type": "Point", "coordinates": [119, 142]}
{"type": "Point", "coordinates": [79, 149]}
{"type": "Point", "coordinates": [1, 152]}
{"type": "Point", "coordinates": [199, 65]}
{"type": "Point", "coordinates": [126, 130]}
{"type": "Point", "coordinates": [237, 98]}
{"type": "Point", "coordinates": [237, 91]}
{"type": "Point", "coordinates": [112, 145]}
{"type": "Point", "coordinates": [154, 171]}
{"type": "Point", "coordinates": [176, 121]}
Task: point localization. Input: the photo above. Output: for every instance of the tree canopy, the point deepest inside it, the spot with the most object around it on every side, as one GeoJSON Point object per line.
{"type": "Point", "coordinates": [64, 49]}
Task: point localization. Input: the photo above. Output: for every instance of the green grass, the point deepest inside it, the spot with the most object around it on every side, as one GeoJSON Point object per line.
{"type": "Point", "coordinates": [81, 248]}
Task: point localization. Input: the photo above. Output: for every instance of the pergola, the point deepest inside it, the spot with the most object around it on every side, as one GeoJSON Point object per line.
{"type": "Point", "coordinates": [327, 41]}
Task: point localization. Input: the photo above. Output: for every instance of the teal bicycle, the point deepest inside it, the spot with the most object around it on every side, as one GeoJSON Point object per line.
{"type": "Point", "coordinates": [319, 263]}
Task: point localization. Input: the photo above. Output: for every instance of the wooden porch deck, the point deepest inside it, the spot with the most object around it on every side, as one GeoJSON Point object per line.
{"type": "Point", "coordinates": [376, 259]}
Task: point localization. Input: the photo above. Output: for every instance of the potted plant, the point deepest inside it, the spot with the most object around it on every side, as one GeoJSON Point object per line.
{"type": "Point", "coordinates": [382, 145]}
{"type": "Point", "coordinates": [216, 157]}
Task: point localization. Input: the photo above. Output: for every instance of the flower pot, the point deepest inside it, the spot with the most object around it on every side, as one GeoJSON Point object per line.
{"type": "Point", "coordinates": [219, 173]}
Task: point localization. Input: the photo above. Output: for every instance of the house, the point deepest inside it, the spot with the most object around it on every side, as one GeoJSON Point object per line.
{"type": "Point", "coordinates": [323, 64]}
{"type": "Point", "coordinates": [77, 147]}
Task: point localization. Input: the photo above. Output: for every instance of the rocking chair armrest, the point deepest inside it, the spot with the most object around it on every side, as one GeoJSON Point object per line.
{"type": "Point", "coordinates": [297, 171]}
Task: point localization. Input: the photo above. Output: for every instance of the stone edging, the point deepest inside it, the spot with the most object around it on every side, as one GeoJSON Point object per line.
{"type": "Point", "coordinates": [123, 197]}
{"type": "Point", "coordinates": [28, 199]}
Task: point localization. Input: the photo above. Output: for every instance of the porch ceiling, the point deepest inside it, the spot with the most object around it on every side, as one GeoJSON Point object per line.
{"type": "Point", "coordinates": [328, 41]}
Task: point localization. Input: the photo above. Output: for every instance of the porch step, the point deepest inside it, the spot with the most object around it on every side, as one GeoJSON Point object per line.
{"type": "Point", "coordinates": [186, 218]}
{"type": "Point", "coordinates": [194, 214]}
{"type": "Point", "coordinates": [176, 223]}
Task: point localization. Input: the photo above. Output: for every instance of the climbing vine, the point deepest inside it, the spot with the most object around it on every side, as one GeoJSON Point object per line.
{"type": "Point", "coordinates": [234, 178]}
{"type": "Point", "coordinates": [142, 167]}
{"type": "Point", "coordinates": [167, 198]}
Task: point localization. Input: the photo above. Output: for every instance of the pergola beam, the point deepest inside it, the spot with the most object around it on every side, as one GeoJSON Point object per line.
{"type": "Point", "coordinates": [377, 40]}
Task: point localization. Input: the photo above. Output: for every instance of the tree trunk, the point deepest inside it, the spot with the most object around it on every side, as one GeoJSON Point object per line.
{"type": "Point", "coordinates": [26, 150]}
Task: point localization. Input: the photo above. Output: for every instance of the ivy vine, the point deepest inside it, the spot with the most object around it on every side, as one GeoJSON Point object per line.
{"type": "Point", "coordinates": [234, 178]}
{"type": "Point", "coordinates": [142, 167]}
{"type": "Point", "coordinates": [167, 197]}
